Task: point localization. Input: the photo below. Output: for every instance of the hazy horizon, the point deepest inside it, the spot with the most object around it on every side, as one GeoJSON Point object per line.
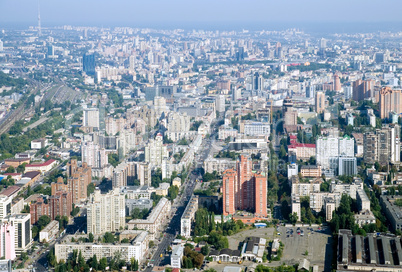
{"type": "Point", "coordinates": [224, 14]}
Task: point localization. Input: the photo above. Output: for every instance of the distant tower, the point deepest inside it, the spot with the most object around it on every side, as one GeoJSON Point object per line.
{"type": "Point", "coordinates": [39, 26]}
{"type": "Point", "coordinates": [337, 83]}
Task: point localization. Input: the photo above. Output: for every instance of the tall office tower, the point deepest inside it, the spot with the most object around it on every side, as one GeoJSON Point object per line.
{"type": "Point", "coordinates": [155, 151]}
{"type": "Point", "coordinates": [337, 84]}
{"type": "Point", "coordinates": [7, 241]}
{"type": "Point", "coordinates": [220, 103]}
{"type": "Point", "coordinates": [178, 125]}
{"type": "Point", "coordinates": [50, 51]}
{"type": "Point", "coordinates": [379, 57]}
{"type": "Point", "coordinates": [390, 100]}
{"type": "Point", "coordinates": [348, 92]}
{"type": "Point", "coordinates": [240, 54]}
{"type": "Point", "coordinates": [23, 233]}
{"type": "Point", "coordinates": [323, 44]}
{"type": "Point", "coordinates": [88, 64]}
{"type": "Point", "coordinates": [319, 102]}
{"type": "Point", "coordinates": [93, 155]}
{"type": "Point", "coordinates": [1, 46]}
{"type": "Point", "coordinates": [91, 117]}
{"type": "Point", "coordinates": [258, 82]}
{"type": "Point", "coordinates": [78, 180]}
{"type": "Point", "coordinates": [244, 190]}
{"type": "Point", "coordinates": [363, 89]}
{"type": "Point", "coordinates": [310, 91]}
{"type": "Point", "coordinates": [131, 61]}
{"type": "Point", "coordinates": [106, 212]}
{"type": "Point", "coordinates": [236, 94]}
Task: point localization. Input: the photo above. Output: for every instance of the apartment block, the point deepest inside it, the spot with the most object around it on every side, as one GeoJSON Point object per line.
{"type": "Point", "coordinates": [188, 217]}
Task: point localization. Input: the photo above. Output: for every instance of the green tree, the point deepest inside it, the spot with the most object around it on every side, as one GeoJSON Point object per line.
{"type": "Point", "coordinates": [90, 189]}
{"type": "Point", "coordinates": [21, 168]}
{"type": "Point", "coordinates": [108, 237]}
{"type": "Point", "coordinates": [90, 237]}
{"type": "Point", "coordinates": [10, 169]}
{"type": "Point", "coordinates": [94, 262]}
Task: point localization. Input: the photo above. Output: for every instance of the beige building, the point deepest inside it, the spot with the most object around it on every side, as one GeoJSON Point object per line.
{"type": "Point", "coordinates": [155, 220]}
{"type": "Point", "coordinates": [106, 212]}
{"type": "Point", "coordinates": [155, 151]}
{"type": "Point", "coordinates": [390, 100]}
{"type": "Point", "coordinates": [137, 249]}
{"type": "Point", "coordinates": [319, 102]}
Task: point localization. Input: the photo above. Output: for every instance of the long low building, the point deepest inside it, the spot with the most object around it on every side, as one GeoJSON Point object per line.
{"type": "Point", "coordinates": [41, 167]}
{"type": "Point", "coordinates": [49, 232]}
{"type": "Point", "coordinates": [155, 220]}
{"type": "Point", "coordinates": [188, 217]}
{"type": "Point", "coordinates": [370, 253]}
{"type": "Point", "coordinates": [392, 210]}
{"type": "Point", "coordinates": [137, 249]}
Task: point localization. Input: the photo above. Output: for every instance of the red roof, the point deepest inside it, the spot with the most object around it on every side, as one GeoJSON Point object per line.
{"type": "Point", "coordinates": [293, 137]}
{"type": "Point", "coordinates": [301, 145]}
{"type": "Point", "coordinates": [46, 163]}
{"type": "Point", "coordinates": [11, 190]}
{"type": "Point", "coordinates": [12, 174]}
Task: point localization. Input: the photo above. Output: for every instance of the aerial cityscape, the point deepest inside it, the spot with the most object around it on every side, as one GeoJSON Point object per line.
{"type": "Point", "coordinates": [212, 146]}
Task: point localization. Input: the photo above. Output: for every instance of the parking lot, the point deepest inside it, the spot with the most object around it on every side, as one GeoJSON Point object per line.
{"type": "Point", "coordinates": [317, 243]}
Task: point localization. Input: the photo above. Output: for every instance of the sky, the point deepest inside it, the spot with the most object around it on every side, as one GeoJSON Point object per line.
{"type": "Point", "coordinates": [186, 13]}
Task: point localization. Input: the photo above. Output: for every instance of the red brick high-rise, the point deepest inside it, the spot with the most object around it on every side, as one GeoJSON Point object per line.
{"type": "Point", "coordinates": [60, 204]}
{"type": "Point", "coordinates": [244, 190]}
{"type": "Point", "coordinates": [78, 180]}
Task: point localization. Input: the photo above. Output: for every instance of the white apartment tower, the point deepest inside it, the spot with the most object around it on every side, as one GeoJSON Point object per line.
{"type": "Point", "coordinates": [106, 212]}
{"type": "Point", "coordinates": [91, 118]}
{"type": "Point", "coordinates": [155, 151]}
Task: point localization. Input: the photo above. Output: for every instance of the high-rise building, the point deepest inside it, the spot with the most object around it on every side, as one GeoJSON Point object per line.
{"type": "Point", "coordinates": [132, 62]}
{"type": "Point", "coordinates": [91, 117]}
{"type": "Point", "coordinates": [7, 240]}
{"type": "Point", "coordinates": [50, 51]}
{"type": "Point", "coordinates": [160, 105]}
{"type": "Point", "coordinates": [23, 233]}
{"type": "Point", "coordinates": [390, 100]}
{"type": "Point", "coordinates": [78, 180]}
{"type": "Point", "coordinates": [244, 190]}
{"type": "Point", "coordinates": [258, 82]}
{"type": "Point", "coordinates": [88, 64]}
{"type": "Point", "coordinates": [347, 166]}
{"type": "Point", "coordinates": [93, 155]}
{"type": "Point", "coordinates": [319, 102]}
{"type": "Point", "coordinates": [60, 204]}
{"type": "Point", "coordinates": [38, 209]}
{"type": "Point", "coordinates": [106, 212]}
{"type": "Point", "coordinates": [383, 145]}
{"type": "Point", "coordinates": [5, 206]}
{"type": "Point", "coordinates": [155, 151]}
{"type": "Point", "coordinates": [1, 46]}
{"type": "Point", "coordinates": [178, 126]}
{"type": "Point", "coordinates": [337, 83]}
{"type": "Point", "coordinates": [220, 103]}
{"type": "Point", "coordinates": [363, 89]}
{"type": "Point", "coordinates": [329, 149]}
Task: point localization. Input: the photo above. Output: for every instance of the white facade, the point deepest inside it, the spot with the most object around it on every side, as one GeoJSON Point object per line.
{"type": "Point", "coordinates": [177, 255]}
{"type": "Point", "coordinates": [293, 170]}
{"type": "Point", "coordinates": [329, 149]}
{"type": "Point", "coordinates": [155, 151]}
{"type": "Point", "coordinates": [220, 103]}
{"type": "Point", "coordinates": [155, 220]}
{"type": "Point", "coordinates": [188, 217]}
{"type": "Point", "coordinates": [137, 249]}
{"type": "Point", "coordinates": [106, 212]}
{"type": "Point", "coordinates": [49, 232]}
{"type": "Point", "coordinates": [91, 117]}
{"type": "Point", "coordinates": [93, 155]}
{"type": "Point", "coordinates": [5, 206]}
{"type": "Point", "coordinates": [23, 232]}
{"type": "Point", "coordinates": [257, 128]}
{"type": "Point", "coordinates": [178, 126]}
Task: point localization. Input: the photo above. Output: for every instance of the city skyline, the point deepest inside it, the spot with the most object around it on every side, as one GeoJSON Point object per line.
{"type": "Point", "coordinates": [344, 16]}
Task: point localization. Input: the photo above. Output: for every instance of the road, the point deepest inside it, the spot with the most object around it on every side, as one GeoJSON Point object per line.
{"type": "Point", "coordinates": [174, 225]}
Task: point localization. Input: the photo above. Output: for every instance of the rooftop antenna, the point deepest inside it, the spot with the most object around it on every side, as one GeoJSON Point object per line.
{"type": "Point", "coordinates": [39, 26]}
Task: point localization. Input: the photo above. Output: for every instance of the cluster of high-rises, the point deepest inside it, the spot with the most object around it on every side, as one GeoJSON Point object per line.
{"type": "Point", "coordinates": [244, 190]}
